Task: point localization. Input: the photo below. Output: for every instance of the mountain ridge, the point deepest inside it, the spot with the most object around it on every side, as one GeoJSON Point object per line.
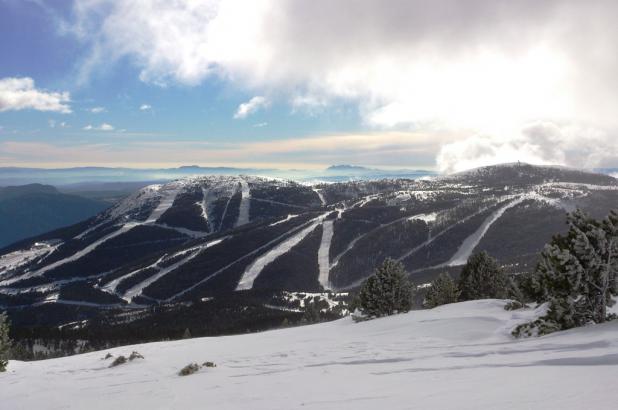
{"type": "Point", "coordinates": [247, 237]}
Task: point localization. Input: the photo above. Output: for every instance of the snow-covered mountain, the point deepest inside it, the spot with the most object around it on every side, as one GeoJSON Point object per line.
{"type": "Point", "coordinates": [458, 356]}
{"type": "Point", "coordinates": [229, 237]}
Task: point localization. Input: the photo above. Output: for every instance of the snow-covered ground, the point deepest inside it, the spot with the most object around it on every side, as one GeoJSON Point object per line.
{"type": "Point", "coordinates": [458, 356]}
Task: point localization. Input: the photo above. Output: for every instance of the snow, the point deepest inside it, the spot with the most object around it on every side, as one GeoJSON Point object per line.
{"type": "Point", "coordinates": [467, 247]}
{"type": "Point", "coordinates": [254, 270]}
{"type": "Point", "coordinates": [204, 204]}
{"type": "Point", "coordinates": [324, 254]}
{"type": "Point", "coordinates": [320, 195]}
{"type": "Point", "coordinates": [245, 203]}
{"type": "Point", "coordinates": [427, 218]}
{"type": "Point", "coordinates": [14, 260]}
{"type": "Point", "coordinates": [457, 356]}
{"type": "Point", "coordinates": [74, 257]}
{"type": "Point", "coordinates": [137, 289]}
{"type": "Point", "coordinates": [168, 195]}
{"type": "Point", "coordinates": [290, 216]}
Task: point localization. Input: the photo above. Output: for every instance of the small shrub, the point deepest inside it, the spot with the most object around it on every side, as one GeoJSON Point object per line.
{"type": "Point", "coordinates": [209, 364]}
{"type": "Point", "coordinates": [108, 356]}
{"type": "Point", "coordinates": [189, 369]}
{"type": "Point", "coordinates": [118, 361]}
{"type": "Point", "coordinates": [135, 355]}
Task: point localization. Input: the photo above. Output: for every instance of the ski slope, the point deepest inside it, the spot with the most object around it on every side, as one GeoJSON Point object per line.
{"type": "Point", "coordinates": [245, 203]}
{"type": "Point", "coordinates": [324, 254]}
{"type": "Point", "coordinates": [457, 356]}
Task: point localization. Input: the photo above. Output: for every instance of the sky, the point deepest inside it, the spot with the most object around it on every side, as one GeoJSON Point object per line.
{"type": "Point", "coordinates": [443, 84]}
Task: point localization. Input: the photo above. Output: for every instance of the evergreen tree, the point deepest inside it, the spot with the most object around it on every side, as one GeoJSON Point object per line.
{"type": "Point", "coordinates": [577, 273]}
{"type": "Point", "coordinates": [5, 342]}
{"type": "Point", "coordinates": [443, 290]}
{"type": "Point", "coordinates": [387, 291]}
{"type": "Point", "coordinates": [186, 334]}
{"type": "Point", "coordinates": [482, 278]}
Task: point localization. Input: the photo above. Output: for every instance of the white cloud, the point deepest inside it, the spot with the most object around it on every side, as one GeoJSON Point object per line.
{"type": "Point", "coordinates": [103, 127]}
{"type": "Point", "coordinates": [250, 107]}
{"type": "Point", "coordinates": [145, 107]}
{"type": "Point", "coordinates": [480, 67]}
{"type": "Point", "coordinates": [21, 94]}
{"type": "Point", "coordinates": [260, 125]}
{"type": "Point", "coordinates": [56, 124]}
{"type": "Point", "coordinates": [537, 143]}
{"type": "Point", "coordinates": [97, 110]}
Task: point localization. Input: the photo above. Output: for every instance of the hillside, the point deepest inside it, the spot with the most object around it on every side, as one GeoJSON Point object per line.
{"type": "Point", "coordinates": [34, 209]}
{"type": "Point", "coordinates": [457, 356]}
{"type": "Point", "coordinates": [228, 245]}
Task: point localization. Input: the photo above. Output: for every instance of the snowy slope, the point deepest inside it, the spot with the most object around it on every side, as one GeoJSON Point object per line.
{"type": "Point", "coordinates": [457, 356]}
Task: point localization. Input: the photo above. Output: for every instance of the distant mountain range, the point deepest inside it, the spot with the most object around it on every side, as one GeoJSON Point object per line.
{"type": "Point", "coordinates": [97, 175]}
{"type": "Point", "coordinates": [33, 209]}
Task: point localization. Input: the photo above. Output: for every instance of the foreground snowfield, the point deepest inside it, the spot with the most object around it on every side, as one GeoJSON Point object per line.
{"type": "Point", "coordinates": [457, 356]}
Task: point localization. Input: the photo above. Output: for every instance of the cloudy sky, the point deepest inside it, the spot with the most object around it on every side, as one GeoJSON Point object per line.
{"type": "Point", "coordinates": [441, 84]}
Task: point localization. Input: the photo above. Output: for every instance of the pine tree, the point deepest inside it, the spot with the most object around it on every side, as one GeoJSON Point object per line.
{"type": "Point", "coordinates": [5, 342]}
{"type": "Point", "coordinates": [577, 272]}
{"type": "Point", "coordinates": [482, 278]}
{"type": "Point", "coordinates": [186, 334]}
{"type": "Point", "coordinates": [387, 291]}
{"type": "Point", "coordinates": [443, 290]}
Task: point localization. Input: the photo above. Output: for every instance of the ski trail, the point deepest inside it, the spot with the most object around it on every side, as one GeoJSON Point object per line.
{"type": "Point", "coordinates": [290, 216]}
{"type": "Point", "coordinates": [74, 257]}
{"type": "Point", "coordinates": [468, 245]}
{"type": "Point", "coordinates": [87, 231]}
{"type": "Point", "coordinates": [204, 205]}
{"type": "Point", "coordinates": [254, 270]}
{"type": "Point", "coordinates": [319, 193]}
{"type": "Point", "coordinates": [439, 234]}
{"type": "Point", "coordinates": [361, 236]}
{"type": "Point", "coordinates": [111, 286]}
{"type": "Point", "coordinates": [253, 252]}
{"type": "Point", "coordinates": [137, 289]}
{"type": "Point", "coordinates": [225, 210]}
{"type": "Point", "coordinates": [245, 204]}
{"type": "Point", "coordinates": [270, 201]}
{"type": "Point", "coordinates": [189, 232]}
{"type": "Point", "coordinates": [167, 199]}
{"type": "Point", "coordinates": [324, 254]}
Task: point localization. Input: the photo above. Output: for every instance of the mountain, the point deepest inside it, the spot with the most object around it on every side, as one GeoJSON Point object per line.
{"type": "Point", "coordinates": [33, 209]}
{"type": "Point", "coordinates": [457, 356]}
{"type": "Point", "coordinates": [250, 249]}
{"type": "Point", "coordinates": [342, 173]}
{"type": "Point", "coordinates": [72, 177]}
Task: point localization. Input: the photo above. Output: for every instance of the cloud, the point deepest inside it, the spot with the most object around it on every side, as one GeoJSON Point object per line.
{"type": "Point", "coordinates": [56, 124]}
{"type": "Point", "coordinates": [260, 125]}
{"type": "Point", "coordinates": [374, 149]}
{"type": "Point", "coordinates": [97, 110]}
{"type": "Point", "coordinates": [482, 68]}
{"type": "Point", "coordinates": [103, 127]}
{"type": "Point", "coordinates": [145, 107]}
{"type": "Point", "coordinates": [21, 94]}
{"type": "Point", "coordinates": [536, 143]}
{"type": "Point", "coordinates": [250, 107]}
